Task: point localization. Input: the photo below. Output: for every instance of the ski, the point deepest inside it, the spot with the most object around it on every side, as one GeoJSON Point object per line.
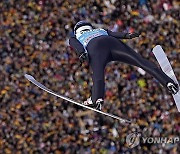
{"type": "Point", "coordinates": [32, 79]}
{"type": "Point", "coordinates": [167, 69]}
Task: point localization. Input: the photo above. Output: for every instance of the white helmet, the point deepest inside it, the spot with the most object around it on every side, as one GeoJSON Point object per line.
{"type": "Point", "coordinates": [82, 26]}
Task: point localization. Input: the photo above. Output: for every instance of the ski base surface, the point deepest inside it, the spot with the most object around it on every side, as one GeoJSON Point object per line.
{"type": "Point", "coordinates": [32, 79]}
{"type": "Point", "coordinates": [167, 69]}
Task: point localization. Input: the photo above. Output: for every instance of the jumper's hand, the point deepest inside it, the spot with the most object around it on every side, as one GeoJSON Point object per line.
{"type": "Point", "coordinates": [132, 35]}
{"type": "Point", "coordinates": [84, 57]}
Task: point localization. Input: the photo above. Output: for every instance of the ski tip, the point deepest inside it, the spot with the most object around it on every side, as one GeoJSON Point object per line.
{"type": "Point", "coordinates": [29, 77]}
{"type": "Point", "coordinates": [157, 47]}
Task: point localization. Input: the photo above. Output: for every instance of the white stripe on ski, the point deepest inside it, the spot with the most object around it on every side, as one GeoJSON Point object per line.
{"type": "Point", "coordinates": [166, 67]}
{"type": "Point", "coordinates": [31, 78]}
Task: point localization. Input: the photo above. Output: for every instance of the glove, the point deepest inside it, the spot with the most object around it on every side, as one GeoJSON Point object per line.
{"type": "Point", "coordinates": [131, 35]}
{"type": "Point", "coordinates": [84, 57]}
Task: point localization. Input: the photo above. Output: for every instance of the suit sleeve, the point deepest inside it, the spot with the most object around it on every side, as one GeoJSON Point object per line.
{"type": "Point", "coordinates": [76, 45]}
{"type": "Point", "coordinates": [118, 35]}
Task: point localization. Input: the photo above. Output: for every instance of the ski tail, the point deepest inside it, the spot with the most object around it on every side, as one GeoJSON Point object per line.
{"type": "Point", "coordinates": [167, 69]}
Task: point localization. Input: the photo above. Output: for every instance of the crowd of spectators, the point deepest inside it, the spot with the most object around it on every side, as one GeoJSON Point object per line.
{"type": "Point", "coordinates": [34, 40]}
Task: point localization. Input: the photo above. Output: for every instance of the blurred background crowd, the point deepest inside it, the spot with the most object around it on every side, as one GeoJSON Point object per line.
{"type": "Point", "coordinates": [34, 39]}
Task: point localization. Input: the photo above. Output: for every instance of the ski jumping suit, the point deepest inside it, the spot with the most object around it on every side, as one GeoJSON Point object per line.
{"type": "Point", "coordinates": [103, 47]}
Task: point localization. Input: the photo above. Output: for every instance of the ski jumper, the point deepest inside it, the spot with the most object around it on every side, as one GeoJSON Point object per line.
{"type": "Point", "coordinates": [104, 46]}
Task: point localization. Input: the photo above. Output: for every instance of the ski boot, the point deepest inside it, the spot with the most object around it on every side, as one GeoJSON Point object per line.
{"type": "Point", "coordinates": [97, 105]}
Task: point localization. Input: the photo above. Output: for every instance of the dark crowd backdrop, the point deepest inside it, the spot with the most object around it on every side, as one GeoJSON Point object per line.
{"type": "Point", "coordinates": [34, 40]}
